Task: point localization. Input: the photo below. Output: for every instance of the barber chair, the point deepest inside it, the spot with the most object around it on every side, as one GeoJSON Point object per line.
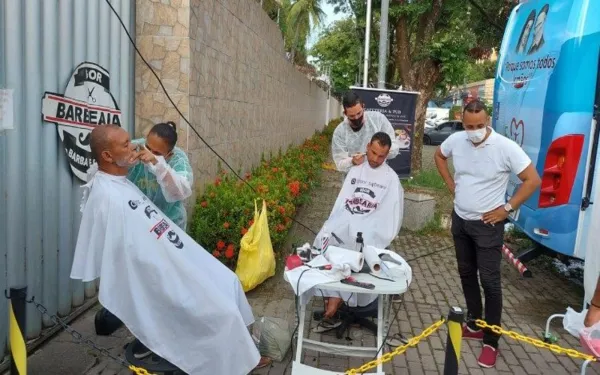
{"type": "Point", "coordinates": [153, 363]}
{"type": "Point", "coordinates": [353, 315]}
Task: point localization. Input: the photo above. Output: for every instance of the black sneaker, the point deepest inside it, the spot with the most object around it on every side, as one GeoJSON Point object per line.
{"type": "Point", "coordinates": [141, 351]}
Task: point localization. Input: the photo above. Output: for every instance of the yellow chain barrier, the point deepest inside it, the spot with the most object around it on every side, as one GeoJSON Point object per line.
{"type": "Point", "coordinates": [535, 342]}
{"type": "Point", "coordinates": [399, 350]}
{"type": "Point", "coordinates": [139, 370]}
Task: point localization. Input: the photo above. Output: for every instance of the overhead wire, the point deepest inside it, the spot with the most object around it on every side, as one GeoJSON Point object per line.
{"type": "Point", "coordinates": [185, 118]}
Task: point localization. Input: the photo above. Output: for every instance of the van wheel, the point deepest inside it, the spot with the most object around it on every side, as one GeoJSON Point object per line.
{"type": "Point", "coordinates": [426, 140]}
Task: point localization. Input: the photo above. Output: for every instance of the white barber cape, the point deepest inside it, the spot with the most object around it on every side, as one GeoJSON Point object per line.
{"type": "Point", "coordinates": [174, 296]}
{"type": "Point", "coordinates": [371, 201]}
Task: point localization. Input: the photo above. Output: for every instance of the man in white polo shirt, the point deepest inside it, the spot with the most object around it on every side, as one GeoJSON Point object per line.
{"type": "Point", "coordinates": [483, 161]}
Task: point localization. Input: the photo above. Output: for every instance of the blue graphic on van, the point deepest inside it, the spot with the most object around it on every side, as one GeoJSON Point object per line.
{"type": "Point", "coordinates": [544, 93]}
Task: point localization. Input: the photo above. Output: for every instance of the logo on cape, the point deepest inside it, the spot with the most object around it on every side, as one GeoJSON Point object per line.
{"type": "Point", "coordinates": [358, 204]}
{"type": "Point", "coordinates": [86, 103]}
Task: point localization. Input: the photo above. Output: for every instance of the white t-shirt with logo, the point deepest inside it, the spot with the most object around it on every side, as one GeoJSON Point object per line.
{"type": "Point", "coordinates": [482, 173]}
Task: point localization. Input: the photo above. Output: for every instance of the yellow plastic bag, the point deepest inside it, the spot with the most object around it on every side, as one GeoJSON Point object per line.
{"type": "Point", "coordinates": [256, 260]}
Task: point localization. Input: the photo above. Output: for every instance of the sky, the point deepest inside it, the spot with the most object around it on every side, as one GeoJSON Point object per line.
{"type": "Point", "coordinates": [330, 17]}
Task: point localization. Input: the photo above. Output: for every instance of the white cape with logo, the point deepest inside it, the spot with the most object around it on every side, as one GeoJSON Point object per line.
{"type": "Point", "coordinates": [173, 295]}
{"type": "Point", "coordinates": [372, 202]}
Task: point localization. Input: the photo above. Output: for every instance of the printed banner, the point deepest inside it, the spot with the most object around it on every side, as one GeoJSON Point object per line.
{"type": "Point", "coordinates": [86, 103]}
{"type": "Point", "coordinates": [400, 109]}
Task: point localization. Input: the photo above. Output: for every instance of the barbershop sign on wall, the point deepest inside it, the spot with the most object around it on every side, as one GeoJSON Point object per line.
{"type": "Point", "coordinates": [86, 103]}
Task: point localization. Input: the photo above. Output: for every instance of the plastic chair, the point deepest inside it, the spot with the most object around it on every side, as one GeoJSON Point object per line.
{"type": "Point", "coordinates": [548, 335]}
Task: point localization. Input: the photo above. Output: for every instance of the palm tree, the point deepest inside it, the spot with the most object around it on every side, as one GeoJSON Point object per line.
{"type": "Point", "coordinates": [302, 14]}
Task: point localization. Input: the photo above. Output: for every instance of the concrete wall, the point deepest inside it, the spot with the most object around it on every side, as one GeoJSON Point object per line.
{"type": "Point", "coordinates": [222, 61]}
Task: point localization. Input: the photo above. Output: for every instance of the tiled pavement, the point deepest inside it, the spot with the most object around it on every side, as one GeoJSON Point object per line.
{"type": "Point", "coordinates": [435, 287]}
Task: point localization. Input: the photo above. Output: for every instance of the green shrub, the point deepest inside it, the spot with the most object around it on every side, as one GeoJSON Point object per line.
{"type": "Point", "coordinates": [225, 211]}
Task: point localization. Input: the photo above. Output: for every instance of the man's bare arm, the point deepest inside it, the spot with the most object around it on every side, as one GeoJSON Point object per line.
{"type": "Point", "coordinates": [441, 162]}
{"type": "Point", "coordinates": [531, 181]}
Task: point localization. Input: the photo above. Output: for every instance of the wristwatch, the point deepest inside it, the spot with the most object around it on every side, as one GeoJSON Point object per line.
{"type": "Point", "coordinates": [508, 208]}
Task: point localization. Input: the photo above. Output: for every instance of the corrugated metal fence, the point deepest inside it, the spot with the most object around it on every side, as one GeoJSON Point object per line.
{"type": "Point", "coordinates": [41, 43]}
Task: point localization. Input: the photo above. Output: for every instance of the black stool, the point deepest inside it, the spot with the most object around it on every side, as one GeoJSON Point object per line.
{"type": "Point", "coordinates": [357, 315]}
{"type": "Point", "coordinates": [353, 315]}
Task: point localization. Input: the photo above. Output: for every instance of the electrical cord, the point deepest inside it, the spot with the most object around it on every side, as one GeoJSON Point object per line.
{"type": "Point", "coordinates": [185, 118]}
{"type": "Point", "coordinates": [429, 254]}
{"type": "Point", "coordinates": [296, 302]}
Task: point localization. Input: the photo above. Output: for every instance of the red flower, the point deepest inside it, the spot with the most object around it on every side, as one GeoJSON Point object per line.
{"type": "Point", "coordinates": [204, 204]}
{"type": "Point", "coordinates": [248, 175]}
{"type": "Point", "coordinates": [244, 231]}
{"type": "Point", "coordinates": [282, 210]}
{"type": "Point", "coordinates": [218, 181]}
{"type": "Point", "coordinates": [226, 225]}
{"type": "Point", "coordinates": [274, 169]}
{"type": "Point", "coordinates": [220, 245]}
{"type": "Point", "coordinates": [294, 188]}
{"type": "Point", "coordinates": [216, 254]}
{"type": "Point", "coordinates": [280, 227]}
{"type": "Point", "coordinates": [251, 223]}
{"type": "Point", "coordinates": [230, 251]}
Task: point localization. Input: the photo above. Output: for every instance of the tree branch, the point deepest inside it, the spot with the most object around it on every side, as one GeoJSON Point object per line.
{"type": "Point", "coordinates": [403, 55]}
{"type": "Point", "coordinates": [426, 29]}
{"type": "Point", "coordinates": [487, 16]}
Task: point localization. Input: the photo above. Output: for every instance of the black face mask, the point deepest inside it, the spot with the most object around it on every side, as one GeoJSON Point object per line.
{"type": "Point", "coordinates": [357, 123]}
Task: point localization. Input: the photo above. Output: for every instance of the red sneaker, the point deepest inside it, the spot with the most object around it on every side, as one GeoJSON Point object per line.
{"type": "Point", "coordinates": [488, 356]}
{"type": "Point", "coordinates": [469, 334]}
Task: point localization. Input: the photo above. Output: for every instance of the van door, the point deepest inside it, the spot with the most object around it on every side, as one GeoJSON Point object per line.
{"type": "Point", "coordinates": [589, 219]}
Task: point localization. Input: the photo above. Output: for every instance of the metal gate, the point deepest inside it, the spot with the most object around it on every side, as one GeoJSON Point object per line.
{"type": "Point", "coordinates": [42, 42]}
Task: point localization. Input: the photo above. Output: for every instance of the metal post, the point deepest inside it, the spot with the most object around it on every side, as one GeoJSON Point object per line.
{"type": "Point", "coordinates": [367, 39]}
{"type": "Point", "coordinates": [278, 9]}
{"type": "Point", "coordinates": [328, 95]}
{"type": "Point", "coordinates": [17, 329]}
{"type": "Point", "coordinates": [455, 322]}
{"type": "Point", "coordinates": [383, 43]}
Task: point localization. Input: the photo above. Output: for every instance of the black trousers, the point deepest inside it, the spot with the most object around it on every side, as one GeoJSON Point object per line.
{"type": "Point", "coordinates": [479, 249]}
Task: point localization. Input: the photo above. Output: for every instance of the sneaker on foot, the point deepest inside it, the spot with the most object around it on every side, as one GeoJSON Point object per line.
{"type": "Point", "coordinates": [488, 356]}
{"type": "Point", "coordinates": [141, 351]}
{"type": "Point", "coordinates": [469, 334]}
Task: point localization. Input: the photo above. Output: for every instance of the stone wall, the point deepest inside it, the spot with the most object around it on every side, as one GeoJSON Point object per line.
{"type": "Point", "coordinates": [222, 62]}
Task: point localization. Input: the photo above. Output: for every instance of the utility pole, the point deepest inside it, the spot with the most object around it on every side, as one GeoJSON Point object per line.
{"type": "Point", "coordinates": [328, 94]}
{"type": "Point", "coordinates": [367, 40]}
{"type": "Point", "coordinates": [383, 43]}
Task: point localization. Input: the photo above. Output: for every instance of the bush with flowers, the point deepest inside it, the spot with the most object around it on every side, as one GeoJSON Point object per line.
{"type": "Point", "coordinates": [225, 211]}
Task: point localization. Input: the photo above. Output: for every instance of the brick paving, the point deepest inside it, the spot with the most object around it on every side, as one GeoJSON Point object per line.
{"type": "Point", "coordinates": [435, 288]}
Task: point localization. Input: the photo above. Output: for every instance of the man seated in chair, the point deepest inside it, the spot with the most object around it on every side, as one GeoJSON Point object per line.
{"type": "Point", "coordinates": [371, 201]}
{"type": "Point", "coordinates": [174, 296]}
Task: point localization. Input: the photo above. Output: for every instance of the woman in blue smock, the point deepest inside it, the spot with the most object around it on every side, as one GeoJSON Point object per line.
{"type": "Point", "coordinates": [164, 174]}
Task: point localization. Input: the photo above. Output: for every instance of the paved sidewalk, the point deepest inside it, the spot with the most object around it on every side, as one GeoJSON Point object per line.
{"type": "Point", "coordinates": [435, 287]}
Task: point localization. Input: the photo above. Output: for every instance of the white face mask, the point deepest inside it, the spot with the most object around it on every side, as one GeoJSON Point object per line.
{"type": "Point", "coordinates": [477, 136]}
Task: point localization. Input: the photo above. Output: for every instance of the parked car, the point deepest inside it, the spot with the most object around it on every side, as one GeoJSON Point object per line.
{"type": "Point", "coordinates": [438, 134]}
{"type": "Point", "coordinates": [435, 112]}
{"type": "Point", "coordinates": [432, 123]}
